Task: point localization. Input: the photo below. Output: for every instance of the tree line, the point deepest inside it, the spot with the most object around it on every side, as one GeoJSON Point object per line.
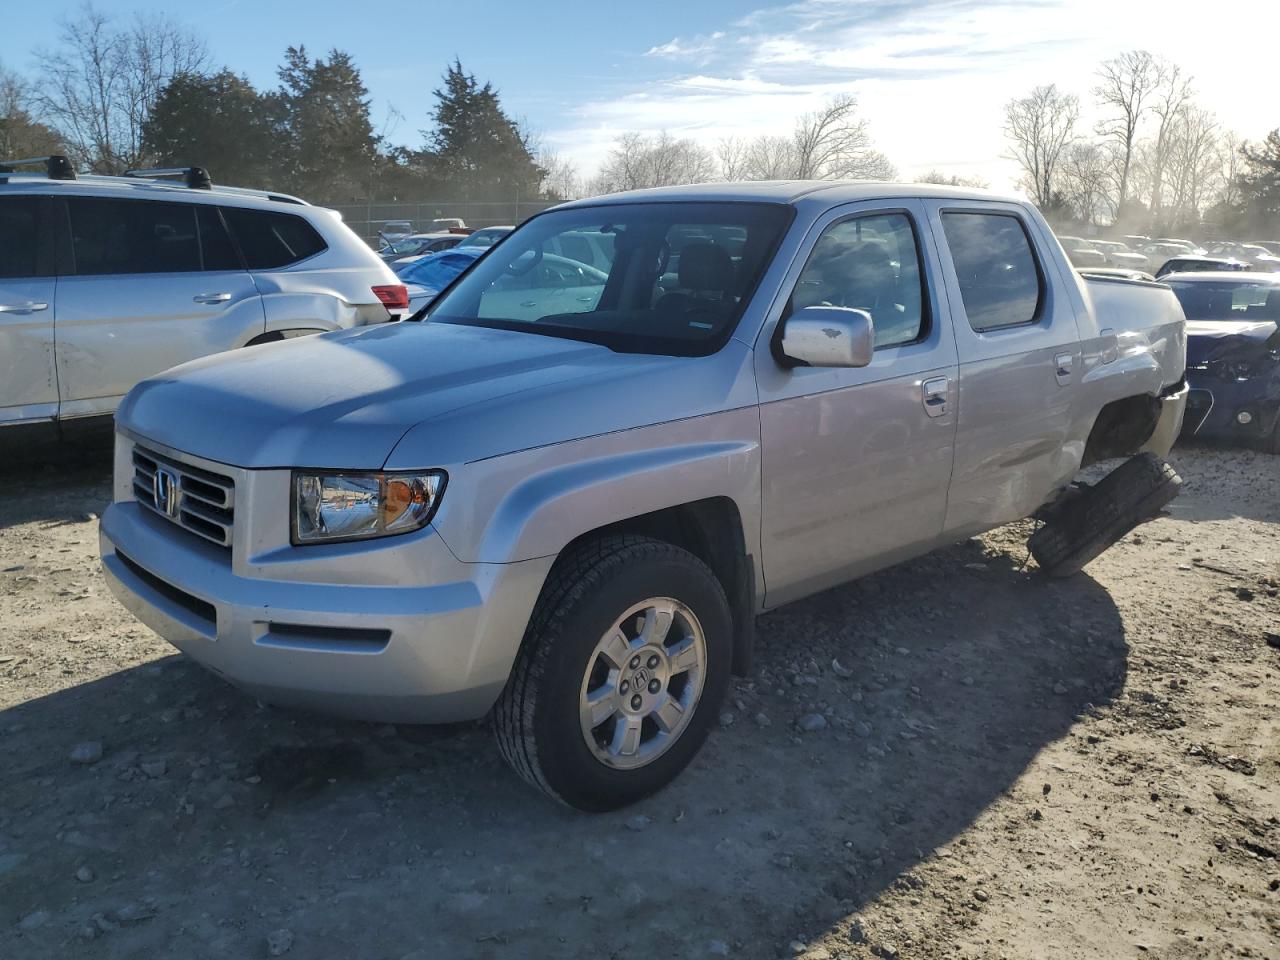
{"type": "Point", "coordinates": [117, 95]}
{"type": "Point", "coordinates": [1156, 161]}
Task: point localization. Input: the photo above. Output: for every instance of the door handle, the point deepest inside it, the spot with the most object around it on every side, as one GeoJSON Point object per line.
{"type": "Point", "coordinates": [934, 396]}
{"type": "Point", "coordinates": [29, 307]}
{"type": "Point", "coordinates": [211, 297]}
{"type": "Point", "coordinates": [1063, 366]}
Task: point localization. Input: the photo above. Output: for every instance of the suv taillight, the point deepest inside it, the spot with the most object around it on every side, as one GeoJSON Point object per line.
{"type": "Point", "coordinates": [394, 296]}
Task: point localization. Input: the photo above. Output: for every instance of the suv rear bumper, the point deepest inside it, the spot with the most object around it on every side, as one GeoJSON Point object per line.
{"type": "Point", "coordinates": [404, 654]}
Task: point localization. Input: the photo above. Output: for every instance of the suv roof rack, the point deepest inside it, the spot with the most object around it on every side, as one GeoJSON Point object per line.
{"type": "Point", "coordinates": [197, 178]}
{"type": "Point", "coordinates": [56, 166]}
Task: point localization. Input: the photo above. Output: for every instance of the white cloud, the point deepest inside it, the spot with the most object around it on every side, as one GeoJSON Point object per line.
{"type": "Point", "coordinates": [932, 76]}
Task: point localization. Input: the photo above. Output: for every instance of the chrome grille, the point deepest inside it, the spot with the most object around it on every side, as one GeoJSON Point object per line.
{"type": "Point", "coordinates": [198, 500]}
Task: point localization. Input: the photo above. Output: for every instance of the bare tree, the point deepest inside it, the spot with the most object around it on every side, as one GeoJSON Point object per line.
{"type": "Point", "coordinates": [835, 144]}
{"type": "Point", "coordinates": [1084, 180]}
{"type": "Point", "coordinates": [560, 178]}
{"type": "Point", "coordinates": [101, 82]}
{"type": "Point", "coordinates": [1125, 85]}
{"type": "Point", "coordinates": [952, 180]}
{"type": "Point", "coordinates": [1230, 166]}
{"type": "Point", "coordinates": [21, 135]}
{"type": "Point", "coordinates": [1193, 163]}
{"type": "Point", "coordinates": [1172, 93]}
{"type": "Point", "coordinates": [1040, 127]}
{"type": "Point", "coordinates": [731, 153]}
{"type": "Point", "coordinates": [771, 158]}
{"type": "Point", "coordinates": [660, 160]}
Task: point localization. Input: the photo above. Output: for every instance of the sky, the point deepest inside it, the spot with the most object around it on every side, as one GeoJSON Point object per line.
{"type": "Point", "coordinates": [931, 76]}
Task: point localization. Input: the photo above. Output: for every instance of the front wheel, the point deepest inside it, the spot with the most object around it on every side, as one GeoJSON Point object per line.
{"type": "Point", "coordinates": [621, 672]}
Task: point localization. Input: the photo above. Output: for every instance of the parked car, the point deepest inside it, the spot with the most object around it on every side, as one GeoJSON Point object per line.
{"type": "Point", "coordinates": [1233, 356]}
{"type": "Point", "coordinates": [1271, 246]}
{"type": "Point", "coordinates": [1082, 253]}
{"type": "Point", "coordinates": [1186, 245]}
{"type": "Point", "coordinates": [425, 277]}
{"type": "Point", "coordinates": [571, 517]}
{"type": "Point", "coordinates": [393, 231]}
{"type": "Point", "coordinates": [1159, 253]}
{"type": "Point", "coordinates": [107, 280]}
{"type": "Point", "coordinates": [1190, 263]}
{"type": "Point", "coordinates": [1122, 273]}
{"type": "Point", "coordinates": [486, 236]}
{"type": "Point", "coordinates": [1259, 257]}
{"type": "Point", "coordinates": [419, 245]}
{"type": "Point", "coordinates": [1119, 255]}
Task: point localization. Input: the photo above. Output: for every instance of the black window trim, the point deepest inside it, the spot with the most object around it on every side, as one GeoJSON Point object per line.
{"type": "Point", "coordinates": [1037, 317]}
{"type": "Point", "coordinates": [926, 301]}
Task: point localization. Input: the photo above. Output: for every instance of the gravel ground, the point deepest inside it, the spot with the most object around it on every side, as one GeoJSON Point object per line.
{"type": "Point", "coordinates": [955, 757]}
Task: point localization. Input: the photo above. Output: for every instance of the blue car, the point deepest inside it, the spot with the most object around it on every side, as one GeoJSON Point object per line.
{"type": "Point", "coordinates": [1233, 356]}
{"type": "Point", "coordinates": [427, 276]}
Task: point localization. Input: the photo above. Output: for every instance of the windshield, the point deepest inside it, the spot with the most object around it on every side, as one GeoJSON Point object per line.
{"type": "Point", "coordinates": [669, 278]}
{"type": "Point", "coordinates": [435, 271]}
{"type": "Point", "coordinates": [1228, 301]}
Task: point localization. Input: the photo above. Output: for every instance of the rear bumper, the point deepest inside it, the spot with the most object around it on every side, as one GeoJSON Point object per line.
{"type": "Point", "coordinates": [1169, 424]}
{"type": "Point", "coordinates": [402, 653]}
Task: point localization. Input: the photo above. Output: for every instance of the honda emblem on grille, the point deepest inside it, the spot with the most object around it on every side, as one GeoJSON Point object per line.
{"type": "Point", "coordinates": [164, 486]}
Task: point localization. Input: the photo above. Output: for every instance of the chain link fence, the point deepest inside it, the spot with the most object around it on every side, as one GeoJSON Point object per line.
{"type": "Point", "coordinates": [367, 219]}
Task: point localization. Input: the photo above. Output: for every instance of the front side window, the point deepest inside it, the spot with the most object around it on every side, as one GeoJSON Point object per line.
{"type": "Point", "coordinates": [133, 236]}
{"type": "Point", "coordinates": [269, 239]}
{"type": "Point", "coordinates": [668, 278]}
{"type": "Point", "coordinates": [869, 263]}
{"type": "Point", "coordinates": [19, 233]}
{"type": "Point", "coordinates": [995, 268]}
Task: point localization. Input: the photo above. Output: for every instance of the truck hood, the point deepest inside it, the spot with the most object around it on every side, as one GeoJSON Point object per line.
{"type": "Point", "coordinates": [345, 400]}
{"type": "Point", "coordinates": [1209, 340]}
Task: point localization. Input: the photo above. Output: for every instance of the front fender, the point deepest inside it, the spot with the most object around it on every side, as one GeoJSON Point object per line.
{"type": "Point", "coordinates": [533, 503]}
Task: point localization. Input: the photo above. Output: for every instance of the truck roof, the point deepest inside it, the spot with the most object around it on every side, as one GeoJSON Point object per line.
{"type": "Point", "coordinates": [791, 191]}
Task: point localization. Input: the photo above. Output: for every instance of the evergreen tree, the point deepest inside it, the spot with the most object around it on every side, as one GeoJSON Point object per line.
{"type": "Point", "coordinates": [324, 110]}
{"type": "Point", "coordinates": [1260, 185]}
{"type": "Point", "coordinates": [476, 150]}
{"type": "Point", "coordinates": [219, 122]}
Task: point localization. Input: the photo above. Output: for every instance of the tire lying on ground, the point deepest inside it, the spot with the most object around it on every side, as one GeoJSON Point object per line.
{"type": "Point", "coordinates": [620, 674]}
{"type": "Point", "coordinates": [1087, 525]}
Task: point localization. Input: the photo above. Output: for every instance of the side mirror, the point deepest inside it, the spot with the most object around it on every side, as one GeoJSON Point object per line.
{"type": "Point", "coordinates": [829, 337]}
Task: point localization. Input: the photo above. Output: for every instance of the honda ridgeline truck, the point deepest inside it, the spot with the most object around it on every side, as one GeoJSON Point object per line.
{"type": "Point", "coordinates": [561, 494]}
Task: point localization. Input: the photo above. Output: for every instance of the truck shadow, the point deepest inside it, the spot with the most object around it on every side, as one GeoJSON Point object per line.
{"type": "Point", "coordinates": [225, 820]}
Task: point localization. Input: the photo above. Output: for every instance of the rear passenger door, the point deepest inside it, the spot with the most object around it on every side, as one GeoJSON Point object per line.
{"type": "Point", "coordinates": [855, 462]}
{"type": "Point", "coordinates": [151, 284]}
{"type": "Point", "coordinates": [28, 382]}
{"type": "Point", "coordinates": [1020, 363]}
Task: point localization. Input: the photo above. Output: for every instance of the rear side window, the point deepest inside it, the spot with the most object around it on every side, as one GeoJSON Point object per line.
{"type": "Point", "coordinates": [132, 236]}
{"type": "Point", "coordinates": [269, 239]}
{"type": "Point", "coordinates": [19, 232]}
{"type": "Point", "coordinates": [868, 263]}
{"type": "Point", "coordinates": [997, 272]}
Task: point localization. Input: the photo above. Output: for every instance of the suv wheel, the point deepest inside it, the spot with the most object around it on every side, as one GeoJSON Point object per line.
{"type": "Point", "coordinates": [622, 670]}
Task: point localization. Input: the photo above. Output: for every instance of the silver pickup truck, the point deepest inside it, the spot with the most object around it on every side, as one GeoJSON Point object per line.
{"type": "Point", "coordinates": [561, 495]}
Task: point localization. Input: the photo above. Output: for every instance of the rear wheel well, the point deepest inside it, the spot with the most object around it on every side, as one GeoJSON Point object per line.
{"type": "Point", "coordinates": [1121, 428]}
{"type": "Point", "coordinates": [712, 531]}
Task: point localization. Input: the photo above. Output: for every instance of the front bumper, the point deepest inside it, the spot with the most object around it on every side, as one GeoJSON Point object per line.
{"type": "Point", "coordinates": [1215, 406]}
{"type": "Point", "coordinates": [402, 652]}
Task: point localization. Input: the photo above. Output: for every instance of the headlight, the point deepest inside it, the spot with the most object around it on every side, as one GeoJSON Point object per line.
{"type": "Point", "coordinates": [360, 506]}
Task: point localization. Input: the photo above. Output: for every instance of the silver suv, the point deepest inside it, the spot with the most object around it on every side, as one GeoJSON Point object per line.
{"type": "Point", "coordinates": [564, 497]}
{"type": "Point", "coordinates": [105, 281]}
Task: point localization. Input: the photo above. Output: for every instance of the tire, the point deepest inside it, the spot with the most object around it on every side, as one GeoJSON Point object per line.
{"type": "Point", "coordinates": [538, 720]}
{"type": "Point", "coordinates": [1134, 492]}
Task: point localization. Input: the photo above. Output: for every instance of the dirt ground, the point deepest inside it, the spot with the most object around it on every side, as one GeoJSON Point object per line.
{"type": "Point", "coordinates": [1008, 767]}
